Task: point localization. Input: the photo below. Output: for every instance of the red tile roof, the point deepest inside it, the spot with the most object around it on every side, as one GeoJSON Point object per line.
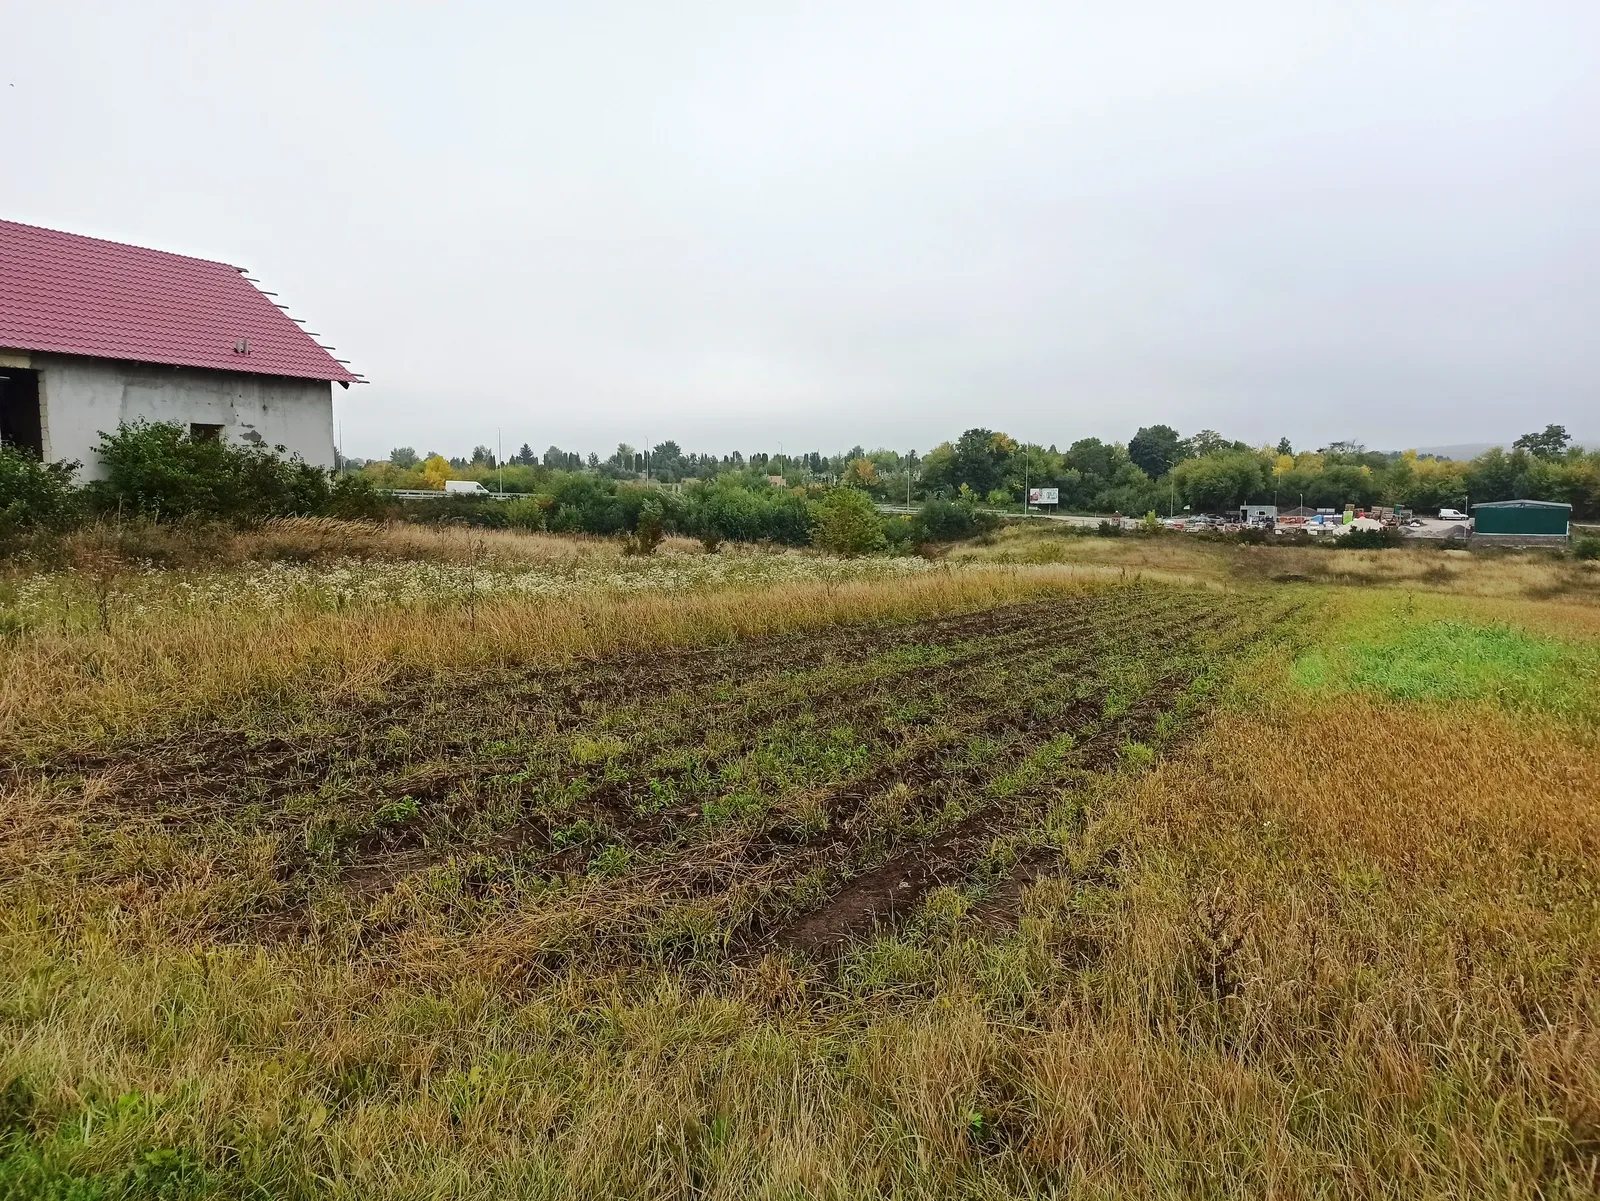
{"type": "Point", "coordinates": [69, 294]}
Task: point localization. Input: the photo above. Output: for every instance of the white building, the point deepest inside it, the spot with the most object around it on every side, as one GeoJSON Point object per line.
{"type": "Point", "coordinates": [94, 334]}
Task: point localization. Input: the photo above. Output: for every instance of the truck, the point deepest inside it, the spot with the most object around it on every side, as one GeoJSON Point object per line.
{"type": "Point", "coordinates": [465, 488]}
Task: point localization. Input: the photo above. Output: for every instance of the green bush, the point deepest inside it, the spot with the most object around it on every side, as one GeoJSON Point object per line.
{"type": "Point", "coordinates": [1586, 548]}
{"type": "Point", "coordinates": [355, 497]}
{"type": "Point", "coordinates": [460, 510]}
{"type": "Point", "coordinates": [648, 530]}
{"type": "Point", "coordinates": [35, 496]}
{"type": "Point", "coordinates": [845, 522]}
{"type": "Point", "coordinates": [155, 469]}
{"type": "Point", "coordinates": [950, 521]}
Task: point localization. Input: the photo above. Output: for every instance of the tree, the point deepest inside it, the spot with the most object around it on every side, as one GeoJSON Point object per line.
{"type": "Point", "coordinates": [526, 457]}
{"type": "Point", "coordinates": [1547, 445]}
{"type": "Point", "coordinates": [844, 523]}
{"type": "Point", "coordinates": [979, 457]}
{"type": "Point", "coordinates": [435, 471]}
{"type": "Point", "coordinates": [861, 473]}
{"type": "Point", "coordinates": [403, 456]}
{"type": "Point", "coordinates": [1156, 449]}
{"type": "Point", "coordinates": [1285, 447]}
{"type": "Point", "coordinates": [1222, 480]}
{"type": "Point", "coordinates": [482, 456]}
{"type": "Point", "coordinates": [1206, 442]}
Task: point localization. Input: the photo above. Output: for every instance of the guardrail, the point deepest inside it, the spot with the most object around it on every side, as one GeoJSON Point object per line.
{"type": "Point", "coordinates": [430, 494]}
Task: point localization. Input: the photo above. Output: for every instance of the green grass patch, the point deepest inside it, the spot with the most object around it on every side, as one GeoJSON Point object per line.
{"type": "Point", "coordinates": [1456, 661]}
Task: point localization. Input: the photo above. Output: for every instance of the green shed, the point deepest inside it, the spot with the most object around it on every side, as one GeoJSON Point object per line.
{"type": "Point", "coordinates": [1522, 519]}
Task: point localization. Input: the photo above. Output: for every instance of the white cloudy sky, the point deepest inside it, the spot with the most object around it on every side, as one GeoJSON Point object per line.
{"type": "Point", "coordinates": [736, 223]}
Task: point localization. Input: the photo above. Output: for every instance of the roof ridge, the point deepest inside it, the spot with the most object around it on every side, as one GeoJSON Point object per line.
{"type": "Point", "coordinates": [67, 233]}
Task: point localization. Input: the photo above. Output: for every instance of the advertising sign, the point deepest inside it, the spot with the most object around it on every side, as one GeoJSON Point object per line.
{"type": "Point", "coordinates": [1044, 496]}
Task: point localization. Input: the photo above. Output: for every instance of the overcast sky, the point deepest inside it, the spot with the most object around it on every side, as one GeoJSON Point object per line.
{"type": "Point", "coordinates": [744, 222]}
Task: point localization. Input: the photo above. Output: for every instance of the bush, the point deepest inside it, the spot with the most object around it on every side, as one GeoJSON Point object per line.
{"type": "Point", "coordinates": [1368, 539]}
{"type": "Point", "coordinates": [460, 510]}
{"type": "Point", "coordinates": [727, 510]}
{"type": "Point", "coordinates": [355, 497]}
{"type": "Point", "coordinates": [844, 522]}
{"type": "Point", "coordinates": [1109, 529]}
{"type": "Point", "coordinates": [35, 496]}
{"type": "Point", "coordinates": [155, 469]}
{"type": "Point", "coordinates": [648, 530]}
{"type": "Point", "coordinates": [950, 521]}
{"type": "Point", "coordinates": [1586, 548]}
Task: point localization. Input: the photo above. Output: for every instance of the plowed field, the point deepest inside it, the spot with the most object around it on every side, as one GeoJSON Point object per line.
{"type": "Point", "coordinates": [786, 793]}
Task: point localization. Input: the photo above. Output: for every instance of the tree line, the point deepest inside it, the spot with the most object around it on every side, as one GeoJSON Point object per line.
{"type": "Point", "coordinates": [1157, 470]}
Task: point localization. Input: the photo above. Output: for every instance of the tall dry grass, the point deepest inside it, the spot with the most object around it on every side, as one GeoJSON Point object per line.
{"type": "Point", "coordinates": [63, 689]}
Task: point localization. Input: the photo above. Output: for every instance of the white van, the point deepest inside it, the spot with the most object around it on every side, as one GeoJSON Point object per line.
{"type": "Point", "coordinates": [467, 487]}
{"type": "Point", "coordinates": [1453, 515]}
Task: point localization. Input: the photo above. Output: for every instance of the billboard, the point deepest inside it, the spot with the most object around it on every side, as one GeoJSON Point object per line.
{"type": "Point", "coordinates": [1044, 496]}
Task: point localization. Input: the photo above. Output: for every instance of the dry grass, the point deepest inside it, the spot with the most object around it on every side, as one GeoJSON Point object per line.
{"type": "Point", "coordinates": [1334, 945]}
{"type": "Point", "coordinates": [318, 540]}
{"type": "Point", "coordinates": [1532, 574]}
{"type": "Point", "coordinates": [59, 689]}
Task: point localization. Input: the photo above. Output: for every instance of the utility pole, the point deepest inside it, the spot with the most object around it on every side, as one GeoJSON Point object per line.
{"type": "Point", "coordinates": [500, 458]}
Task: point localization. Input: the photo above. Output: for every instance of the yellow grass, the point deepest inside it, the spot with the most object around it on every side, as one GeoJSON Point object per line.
{"type": "Point", "coordinates": [1333, 946]}
{"type": "Point", "coordinates": [59, 689]}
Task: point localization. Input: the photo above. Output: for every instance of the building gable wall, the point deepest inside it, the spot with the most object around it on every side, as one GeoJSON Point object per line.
{"type": "Point", "coordinates": [80, 397]}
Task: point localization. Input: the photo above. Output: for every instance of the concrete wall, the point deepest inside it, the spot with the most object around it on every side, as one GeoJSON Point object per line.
{"type": "Point", "coordinates": [79, 397]}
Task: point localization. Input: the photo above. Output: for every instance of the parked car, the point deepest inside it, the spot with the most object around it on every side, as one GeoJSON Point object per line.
{"type": "Point", "coordinates": [1453, 515]}
{"type": "Point", "coordinates": [467, 487]}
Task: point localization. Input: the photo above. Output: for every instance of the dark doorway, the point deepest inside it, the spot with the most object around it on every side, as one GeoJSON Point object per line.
{"type": "Point", "coordinates": [19, 410]}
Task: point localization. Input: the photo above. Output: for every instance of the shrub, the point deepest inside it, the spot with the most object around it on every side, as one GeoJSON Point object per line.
{"type": "Point", "coordinates": [156, 469]}
{"type": "Point", "coordinates": [526, 512]}
{"type": "Point", "coordinates": [1586, 548]}
{"type": "Point", "coordinates": [1109, 529]}
{"type": "Point", "coordinates": [1368, 539]}
{"type": "Point", "coordinates": [583, 504]}
{"type": "Point", "coordinates": [844, 522]}
{"type": "Point", "coordinates": [460, 510]}
{"type": "Point", "coordinates": [648, 530]}
{"type": "Point", "coordinates": [34, 496]}
{"type": "Point", "coordinates": [355, 497]}
{"type": "Point", "coordinates": [950, 521]}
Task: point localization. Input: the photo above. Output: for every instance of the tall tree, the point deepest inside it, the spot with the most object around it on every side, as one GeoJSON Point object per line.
{"type": "Point", "coordinates": [1206, 442]}
{"type": "Point", "coordinates": [979, 459]}
{"type": "Point", "coordinates": [1156, 449]}
{"type": "Point", "coordinates": [1547, 445]}
{"type": "Point", "coordinates": [404, 456]}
